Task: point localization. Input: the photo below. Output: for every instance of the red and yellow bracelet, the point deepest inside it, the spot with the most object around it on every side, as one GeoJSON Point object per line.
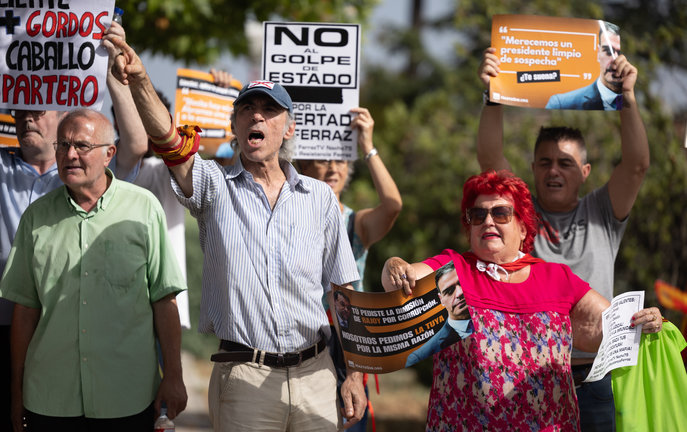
{"type": "Point", "coordinates": [188, 138]}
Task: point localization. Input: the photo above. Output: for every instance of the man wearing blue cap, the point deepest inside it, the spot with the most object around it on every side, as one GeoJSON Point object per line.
{"type": "Point", "coordinates": [271, 238]}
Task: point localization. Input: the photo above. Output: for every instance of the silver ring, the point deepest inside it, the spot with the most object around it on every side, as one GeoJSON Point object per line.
{"type": "Point", "coordinates": [403, 276]}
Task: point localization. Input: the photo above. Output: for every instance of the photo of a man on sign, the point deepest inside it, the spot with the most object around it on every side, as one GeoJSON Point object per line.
{"type": "Point", "coordinates": [606, 92]}
{"type": "Point", "coordinates": [558, 63]}
{"type": "Point", "coordinates": [458, 326]}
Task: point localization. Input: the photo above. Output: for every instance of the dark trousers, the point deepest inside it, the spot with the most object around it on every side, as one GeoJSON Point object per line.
{"type": "Point", "coordinates": [597, 410]}
{"type": "Point", "coordinates": [141, 422]}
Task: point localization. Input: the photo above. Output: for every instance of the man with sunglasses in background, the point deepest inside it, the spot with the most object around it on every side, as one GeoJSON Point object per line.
{"type": "Point", "coordinates": [458, 324]}
{"type": "Point", "coordinates": [94, 280]}
{"type": "Point", "coordinates": [606, 92]}
{"type": "Point", "coordinates": [583, 233]}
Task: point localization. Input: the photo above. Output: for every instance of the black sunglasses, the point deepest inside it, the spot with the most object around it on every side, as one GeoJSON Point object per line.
{"type": "Point", "coordinates": [500, 214]}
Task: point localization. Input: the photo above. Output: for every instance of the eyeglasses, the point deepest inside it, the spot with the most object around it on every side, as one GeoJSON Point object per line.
{"type": "Point", "coordinates": [500, 214]}
{"type": "Point", "coordinates": [321, 163]}
{"type": "Point", "coordinates": [21, 114]}
{"type": "Point", "coordinates": [80, 147]}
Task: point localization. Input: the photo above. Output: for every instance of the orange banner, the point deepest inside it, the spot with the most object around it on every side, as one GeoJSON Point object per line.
{"type": "Point", "coordinates": [8, 133]}
{"type": "Point", "coordinates": [550, 62]}
{"type": "Point", "coordinates": [671, 297]}
{"type": "Point", "coordinates": [200, 102]}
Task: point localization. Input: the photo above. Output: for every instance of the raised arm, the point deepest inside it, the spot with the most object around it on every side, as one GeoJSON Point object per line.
{"type": "Point", "coordinates": [129, 70]}
{"type": "Point", "coordinates": [372, 224]}
{"type": "Point", "coordinates": [490, 132]}
{"type": "Point", "coordinates": [628, 175]}
{"type": "Point", "coordinates": [133, 140]}
{"type": "Point", "coordinates": [24, 322]}
{"type": "Point", "coordinates": [172, 390]}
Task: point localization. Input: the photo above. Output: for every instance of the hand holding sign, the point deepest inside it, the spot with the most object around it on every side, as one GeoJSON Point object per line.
{"type": "Point", "coordinates": [117, 31]}
{"type": "Point", "coordinates": [398, 274]}
{"type": "Point", "coordinates": [365, 124]}
{"type": "Point", "coordinates": [625, 72]}
{"type": "Point", "coordinates": [489, 68]}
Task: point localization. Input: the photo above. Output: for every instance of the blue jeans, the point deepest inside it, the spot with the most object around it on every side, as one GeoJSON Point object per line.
{"type": "Point", "coordinates": [597, 410]}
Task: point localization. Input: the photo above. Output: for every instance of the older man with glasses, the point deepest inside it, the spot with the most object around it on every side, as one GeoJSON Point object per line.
{"type": "Point", "coordinates": [94, 281]}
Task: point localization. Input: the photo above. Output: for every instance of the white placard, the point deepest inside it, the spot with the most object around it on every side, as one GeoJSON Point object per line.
{"type": "Point", "coordinates": [51, 54]}
{"type": "Point", "coordinates": [318, 64]}
{"type": "Point", "coordinates": [620, 344]}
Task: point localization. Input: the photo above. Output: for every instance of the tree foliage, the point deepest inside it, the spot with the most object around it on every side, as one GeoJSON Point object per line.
{"type": "Point", "coordinates": [199, 30]}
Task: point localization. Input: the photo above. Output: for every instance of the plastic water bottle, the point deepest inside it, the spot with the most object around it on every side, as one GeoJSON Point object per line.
{"type": "Point", "coordinates": [163, 423]}
{"type": "Point", "coordinates": [117, 16]}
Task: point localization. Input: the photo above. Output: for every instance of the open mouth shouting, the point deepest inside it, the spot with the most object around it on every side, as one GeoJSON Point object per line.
{"type": "Point", "coordinates": [255, 138]}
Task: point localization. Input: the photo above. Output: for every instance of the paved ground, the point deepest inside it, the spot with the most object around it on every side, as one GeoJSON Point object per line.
{"type": "Point", "coordinates": [401, 405]}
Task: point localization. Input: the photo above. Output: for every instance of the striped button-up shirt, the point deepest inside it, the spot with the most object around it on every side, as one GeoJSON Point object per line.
{"type": "Point", "coordinates": [264, 269]}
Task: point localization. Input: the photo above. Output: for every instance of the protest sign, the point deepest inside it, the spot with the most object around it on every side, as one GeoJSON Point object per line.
{"type": "Point", "coordinates": [384, 332]}
{"type": "Point", "coordinates": [555, 63]}
{"type": "Point", "coordinates": [199, 101]}
{"type": "Point", "coordinates": [8, 130]}
{"type": "Point", "coordinates": [620, 343]}
{"type": "Point", "coordinates": [52, 55]}
{"type": "Point", "coordinates": [318, 64]}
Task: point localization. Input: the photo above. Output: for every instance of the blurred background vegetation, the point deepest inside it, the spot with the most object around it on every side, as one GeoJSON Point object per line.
{"type": "Point", "coordinates": [427, 114]}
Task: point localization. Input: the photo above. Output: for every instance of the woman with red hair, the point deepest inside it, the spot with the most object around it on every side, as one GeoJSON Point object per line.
{"type": "Point", "coordinates": [514, 372]}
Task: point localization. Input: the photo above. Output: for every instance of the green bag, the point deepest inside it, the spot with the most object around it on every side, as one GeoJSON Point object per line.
{"type": "Point", "coordinates": [652, 396]}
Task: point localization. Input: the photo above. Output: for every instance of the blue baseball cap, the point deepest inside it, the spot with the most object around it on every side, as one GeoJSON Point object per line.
{"type": "Point", "coordinates": [271, 89]}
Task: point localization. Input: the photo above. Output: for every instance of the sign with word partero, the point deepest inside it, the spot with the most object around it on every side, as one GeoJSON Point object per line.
{"type": "Point", "coordinates": [51, 54]}
{"type": "Point", "coordinates": [318, 64]}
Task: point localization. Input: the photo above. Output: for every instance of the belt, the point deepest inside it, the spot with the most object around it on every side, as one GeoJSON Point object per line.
{"type": "Point", "coordinates": [580, 372]}
{"type": "Point", "coordinates": [237, 352]}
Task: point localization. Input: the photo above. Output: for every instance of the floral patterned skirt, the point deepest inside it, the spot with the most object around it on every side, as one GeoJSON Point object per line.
{"type": "Point", "coordinates": [513, 373]}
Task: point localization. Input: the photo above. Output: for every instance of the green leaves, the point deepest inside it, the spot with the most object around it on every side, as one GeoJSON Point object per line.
{"type": "Point", "coordinates": [199, 30]}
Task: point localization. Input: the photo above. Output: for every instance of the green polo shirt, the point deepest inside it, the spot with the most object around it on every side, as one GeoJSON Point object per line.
{"type": "Point", "coordinates": [94, 276]}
